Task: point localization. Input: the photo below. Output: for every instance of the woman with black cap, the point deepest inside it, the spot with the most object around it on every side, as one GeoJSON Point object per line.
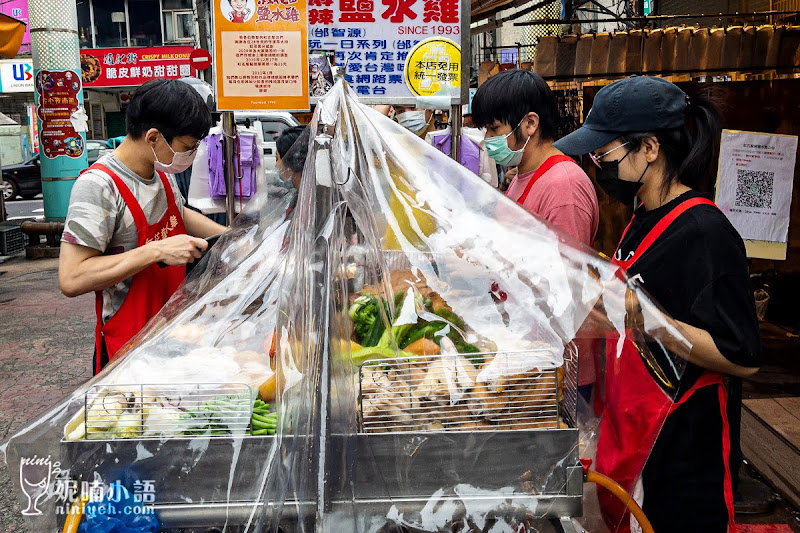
{"type": "Point", "coordinates": [650, 141]}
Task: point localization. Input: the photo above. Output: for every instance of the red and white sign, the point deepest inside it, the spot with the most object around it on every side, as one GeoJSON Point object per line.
{"type": "Point", "coordinates": [374, 38]}
{"type": "Point", "coordinates": [127, 67]}
{"type": "Point", "coordinates": [200, 59]}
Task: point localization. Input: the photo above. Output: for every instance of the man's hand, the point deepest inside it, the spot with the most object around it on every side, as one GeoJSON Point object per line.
{"type": "Point", "coordinates": [82, 269]}
{"type": "Point", "coordinates": [179, 249]}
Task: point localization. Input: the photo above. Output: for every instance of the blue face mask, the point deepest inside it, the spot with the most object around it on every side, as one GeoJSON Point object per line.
{"type": "Point", "coordinates": [497, 148]}
{"type": "Point", "coordinates": [413, 121]}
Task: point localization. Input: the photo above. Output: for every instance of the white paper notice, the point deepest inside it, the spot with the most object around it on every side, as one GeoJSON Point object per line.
{"type": "Point", "coordinates": [754, 186]}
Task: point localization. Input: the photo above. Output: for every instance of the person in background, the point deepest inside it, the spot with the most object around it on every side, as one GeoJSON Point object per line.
{"type": "Point", "coordinates": [518, 110]}
{"type": "Point", "coordinates": [127, 236]}
{"type": "Point", "coordinates": [290, 162]}
{"type": "Point", "coordinates": [651, 142]}
{"type": "Point", "coordinates": [473, 154]}
{"type": "Point", "coordinates": [508, 174]}
{"type": "Point", "coordinates": [420, 122]}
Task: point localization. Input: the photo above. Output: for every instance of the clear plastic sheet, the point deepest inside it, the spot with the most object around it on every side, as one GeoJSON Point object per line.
{"type": "Point", "coordinates": [169, 418]}
{"type": "Point", "coordinates": [423, 334]}
{"type": "Point", "coordinates": [433, 330]}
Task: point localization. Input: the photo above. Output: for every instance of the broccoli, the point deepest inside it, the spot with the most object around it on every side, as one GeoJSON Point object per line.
{"type": "Point", "coordinates": [365, 314]}
{"type": "Point", "coordinates": [398, 333]}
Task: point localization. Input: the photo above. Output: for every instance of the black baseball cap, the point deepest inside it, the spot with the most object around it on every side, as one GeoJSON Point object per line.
{"type": "Point", "coordinates": [633, 105]}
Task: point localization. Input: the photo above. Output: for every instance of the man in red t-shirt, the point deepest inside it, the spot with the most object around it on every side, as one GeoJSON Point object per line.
{"type": "Point", "coordinates": [518, 110]}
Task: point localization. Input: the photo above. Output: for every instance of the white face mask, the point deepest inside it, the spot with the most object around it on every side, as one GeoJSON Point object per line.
{"type": "Point", "coordinates": [180, 160]}
{"type": "Point", "coordinates": [413, 121]}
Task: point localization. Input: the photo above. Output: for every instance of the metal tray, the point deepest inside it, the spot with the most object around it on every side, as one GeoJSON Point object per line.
{"type": "Point", "coordinates": [192, 488]}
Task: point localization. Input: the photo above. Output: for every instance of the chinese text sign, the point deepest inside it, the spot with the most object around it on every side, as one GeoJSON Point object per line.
{"type": "Point", "coordinates": [260, 58]}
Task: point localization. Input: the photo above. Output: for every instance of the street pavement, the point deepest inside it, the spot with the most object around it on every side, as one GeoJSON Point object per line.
{"type": "Point", "coordinates": [45, 353]}
{"type": "Point", "coordinates": [24, 208]}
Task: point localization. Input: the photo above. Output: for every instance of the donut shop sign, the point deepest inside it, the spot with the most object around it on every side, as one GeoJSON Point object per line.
{"type": "Point", "coordinates": [126, 67]}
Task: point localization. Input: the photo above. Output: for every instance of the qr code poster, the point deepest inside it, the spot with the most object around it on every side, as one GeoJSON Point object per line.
{"type": "Point", "coordinates": [754, 185]}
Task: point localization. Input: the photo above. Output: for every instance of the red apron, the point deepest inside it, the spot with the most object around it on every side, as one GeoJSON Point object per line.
{"type": "Point", "coordinates": [635, 407]}
{"type": "Point", "coordinates": [150, 288]}
{"type": "Point", "coordinates": [549, 163]}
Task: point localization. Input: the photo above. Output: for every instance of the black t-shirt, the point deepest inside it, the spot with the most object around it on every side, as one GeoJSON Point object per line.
{"type": "Point", "coordinates": [697, 271]}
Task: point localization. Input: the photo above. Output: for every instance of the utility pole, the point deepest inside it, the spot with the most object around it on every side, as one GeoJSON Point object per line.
{"type": "Point", "coordinates": [204, 9]}
{"type": "Point", "coordinates": [59, 93]}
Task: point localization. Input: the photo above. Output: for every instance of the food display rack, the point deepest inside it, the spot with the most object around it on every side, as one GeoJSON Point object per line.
{"type": "Point", "coordinates": [189, 497]}
{"type": "Point", "coordinates": [531, 475]}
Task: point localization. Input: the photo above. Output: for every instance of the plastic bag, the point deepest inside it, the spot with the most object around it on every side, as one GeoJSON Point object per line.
{"type": "Point", "coordinates": [118, 512]}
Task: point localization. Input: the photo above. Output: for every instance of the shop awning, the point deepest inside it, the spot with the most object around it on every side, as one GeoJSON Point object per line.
{"type": "Point", "coordinates": [11, 33]}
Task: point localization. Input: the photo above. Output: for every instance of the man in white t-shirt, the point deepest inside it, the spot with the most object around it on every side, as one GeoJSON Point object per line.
{"type": "Point", "coordinates": [127, 236]}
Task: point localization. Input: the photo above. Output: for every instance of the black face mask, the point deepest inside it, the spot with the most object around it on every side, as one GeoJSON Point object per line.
{"type": "Point", "coordinates": [620, 190]}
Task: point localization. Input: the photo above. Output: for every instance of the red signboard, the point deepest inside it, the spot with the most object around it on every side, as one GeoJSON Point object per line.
{"type": "Point", "coordinates": [125, 67]}
{"type": "Point", "coordinates": [57, 92]}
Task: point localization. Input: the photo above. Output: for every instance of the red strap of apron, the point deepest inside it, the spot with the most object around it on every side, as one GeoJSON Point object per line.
{"type": "Point", "coordinates": [549, 163]}
{"type": "Point", "coordinates": [139, 217]}
{"type": "Point", "coordinates": [98, 329]}
{"type": "Point", "coordinates": [659, 228]}
{"type": "Point", "coordinates": [714, 379]}
{"type": "Point", "coordinates": [130, 201]}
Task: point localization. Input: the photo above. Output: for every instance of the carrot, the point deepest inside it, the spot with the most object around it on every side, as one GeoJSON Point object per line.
{"type": "Point", "coordinates": [269, 344]}
{"type": "Point", "coordinates": [423, 347]}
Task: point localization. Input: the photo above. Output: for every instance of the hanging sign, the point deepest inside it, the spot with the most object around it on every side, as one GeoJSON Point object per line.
{"type": "Point", "coordinates": [754, 186]}
{"type": "Point", "coordinates": [374, 39]}
{"type": "Point", "coordinates": [130, 67]}
{"type": "Point", "coordinates": [34, 128]}
{"type": "Point", "coordinates": [261, 61]}
{"type": "Point", "coordinates": [57, 99]}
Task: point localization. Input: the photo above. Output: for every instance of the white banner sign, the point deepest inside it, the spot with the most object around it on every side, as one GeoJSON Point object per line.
{"type": "Point", "coordinates": [16, 76]}
{"type": "Point", "coordinates": [754, 185]}
{"type": "Point", "coordinates": [375, 37]}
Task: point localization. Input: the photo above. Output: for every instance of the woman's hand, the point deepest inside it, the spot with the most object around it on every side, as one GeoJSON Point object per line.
{"type": "Point", "coordinates": [694, 344]}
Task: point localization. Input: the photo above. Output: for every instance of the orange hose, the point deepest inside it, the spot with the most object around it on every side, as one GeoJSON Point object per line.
{"type": "Point", "coordinates": [614, 488]}
{"type": "Point", "coordinates": [75, 515]}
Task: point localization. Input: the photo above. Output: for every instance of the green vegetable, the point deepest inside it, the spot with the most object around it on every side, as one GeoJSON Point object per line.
{"type": "Point", "coordinates": [425, 330]}
{"type": "Point", "coordinates": [364, 313]}
{"type": "Point", "coordinates": [398, 333]}
{"type": "Point", "coordinates": [264, 420]}
{"type": "Point", "coordinates": [451, 317]}
{"type": "Point", "coordinates": [376, 352]}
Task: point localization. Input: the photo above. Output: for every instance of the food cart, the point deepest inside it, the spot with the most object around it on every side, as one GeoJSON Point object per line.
{"type": "Point", "coordinates": [438, 392]}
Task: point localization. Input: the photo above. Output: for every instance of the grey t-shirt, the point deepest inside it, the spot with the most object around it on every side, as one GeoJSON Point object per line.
{"type": "Point", "coordinates": [99, 219]}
